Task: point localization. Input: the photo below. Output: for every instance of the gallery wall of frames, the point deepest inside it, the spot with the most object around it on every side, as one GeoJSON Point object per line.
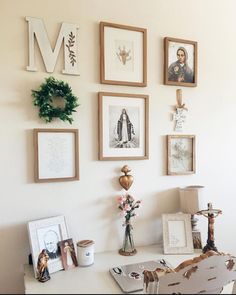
{"type": "Point", "coordinates": [123, 118]}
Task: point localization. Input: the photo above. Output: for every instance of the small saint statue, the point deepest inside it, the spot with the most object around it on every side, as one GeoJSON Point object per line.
{"type": "Point", "coordinates": [210, 214]}
{"type": "Point", "coordinates": [180, 112]}
{"type": "Point", "coordinates": [42, 267]}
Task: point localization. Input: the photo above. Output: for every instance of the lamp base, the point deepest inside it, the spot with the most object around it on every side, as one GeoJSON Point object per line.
{"type": "Point", "coordinates": [194, 221]}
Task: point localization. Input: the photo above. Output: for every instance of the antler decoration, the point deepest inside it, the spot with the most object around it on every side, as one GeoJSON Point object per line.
{"type": "Point", "coordinates": [126, 180]}
{"type": "Point", "coordinates": [179, 99]}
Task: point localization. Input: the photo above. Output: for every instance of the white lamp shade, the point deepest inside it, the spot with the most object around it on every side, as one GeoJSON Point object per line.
{"type": "Point", "coordinates": [191, 199]}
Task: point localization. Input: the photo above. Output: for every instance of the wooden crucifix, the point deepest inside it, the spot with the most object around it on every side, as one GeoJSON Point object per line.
{"type": "Point", "coordinates": [210, 214]}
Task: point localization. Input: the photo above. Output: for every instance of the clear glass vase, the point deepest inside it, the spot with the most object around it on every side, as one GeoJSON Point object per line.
{"type": "Point", "coordinates": [128, 247]}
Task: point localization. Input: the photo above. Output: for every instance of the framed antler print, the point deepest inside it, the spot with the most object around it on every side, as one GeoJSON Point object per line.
{"type": "Point", "coordinates": [123, 55]}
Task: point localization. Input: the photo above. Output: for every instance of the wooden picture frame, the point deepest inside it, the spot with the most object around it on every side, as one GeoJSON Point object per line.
{"type": "Point", "coordinates": [123, 55]}
{"type": "Point", "coordinates": [132, 143]}
{"type": "Point", "coordinates": [180, 154]}
{"type": "Point", "coordinates": [56, 155]}
{"type": "Point", "coordinates": [46, 234]}
{"type": "Point", "coordinates": [180, 62]}
{"type": "Point", "coordinates": [177, 233]}
{"type": "Point", "coordinates": [197, 240]}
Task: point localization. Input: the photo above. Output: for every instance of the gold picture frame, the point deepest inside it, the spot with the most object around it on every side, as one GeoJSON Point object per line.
{"type": "Point", "coordinates": [123, 55]}
{"type": "Point", "coordinates": [116, 142]}
{"type": "Point", "coordinates": [180, 62]}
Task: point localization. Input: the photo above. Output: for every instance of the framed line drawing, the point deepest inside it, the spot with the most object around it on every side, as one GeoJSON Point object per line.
{"type": "Point", "coordinates": [177, 233]}
{"type": "Point", "coordinates": [180, 62]}
{"type": "Point", "coordinates": [123, 55]}
{"type": "Point", "coordinates": [56, 155]}
{"type": "Point", "coordinates": [123, 126]}
{"type": "Point", "coordinates": [46, 234]}
{"type": "Point", "coordinates": [180, 154]}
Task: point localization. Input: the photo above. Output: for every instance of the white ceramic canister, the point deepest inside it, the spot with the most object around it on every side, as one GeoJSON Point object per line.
{"type": "Point", "coordinates": [85, 251]}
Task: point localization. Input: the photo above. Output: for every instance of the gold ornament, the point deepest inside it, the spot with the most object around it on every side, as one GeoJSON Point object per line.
{"type": "Point", "coordinates": [126, 180]}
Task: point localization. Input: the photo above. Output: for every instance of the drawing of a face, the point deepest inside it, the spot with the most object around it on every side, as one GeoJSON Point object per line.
{"type": "Point", "coordinates": [50, 240]}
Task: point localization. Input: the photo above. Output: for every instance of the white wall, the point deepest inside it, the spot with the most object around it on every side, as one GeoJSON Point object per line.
{"type": "Point", "coordinates": [89, 205]}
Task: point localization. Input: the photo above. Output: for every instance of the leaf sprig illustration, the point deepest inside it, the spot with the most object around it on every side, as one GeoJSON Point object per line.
{"type": "Point", "coordinates": [71, 43]}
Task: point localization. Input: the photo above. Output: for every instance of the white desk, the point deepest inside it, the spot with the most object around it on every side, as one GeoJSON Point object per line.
{"type": "Point", "coordinates": [96, 279]}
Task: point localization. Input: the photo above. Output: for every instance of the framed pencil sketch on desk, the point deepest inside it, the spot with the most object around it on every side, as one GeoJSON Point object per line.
{"type": "Point", "coordinates": [56, 155]}
{"type": "Point", "coordinates": [177, 233]}
{"type": "Point", "coordinates": [123, 55]}
{"type": "Point", "coordinates": [46, 234]}
{"type": "Point", "coordinates": [123, 126]}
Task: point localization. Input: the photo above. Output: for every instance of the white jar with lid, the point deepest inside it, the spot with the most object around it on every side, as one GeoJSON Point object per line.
{"type": "Point", "coordinates": [85, 251]}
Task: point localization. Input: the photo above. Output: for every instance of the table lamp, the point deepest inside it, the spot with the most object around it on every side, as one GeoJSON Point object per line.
{"type": "Point", "coordinates": [191, 201]}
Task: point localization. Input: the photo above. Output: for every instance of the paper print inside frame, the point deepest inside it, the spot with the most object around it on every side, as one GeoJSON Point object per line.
{"type": "Point", "coordinates": [180, 154]}
{"type": "Point", "coordinates": [123, 55]}
{"type": "Point", "coordinates": [46, 234]}
{"type": "Point", "coordinates": [123, 126]}
{"type": "Point", "coordinates": [197, 240]}
{"type": "Point", "coordinates": [177, 233]}
{"type": "Point", "coordinates": [56, 155]}
{"type": "Point", "coordinates": [68, 255]}
{"type": "Point", "coordinates": [180, 62]}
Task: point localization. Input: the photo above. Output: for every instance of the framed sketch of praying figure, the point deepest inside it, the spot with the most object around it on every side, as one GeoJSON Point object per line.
{"type": "Point", "coordinates": [180, 63]}
{"type": "Point", "coordinates": [123, 126]}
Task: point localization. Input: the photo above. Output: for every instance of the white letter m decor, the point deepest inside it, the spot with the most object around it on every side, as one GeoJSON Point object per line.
{"type": "Point", "coordinates": [68, 33]}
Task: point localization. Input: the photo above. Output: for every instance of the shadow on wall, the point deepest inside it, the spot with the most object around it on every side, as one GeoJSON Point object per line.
{"type": "Point", "coordinates": [14, 252]}
{"type": "Point", "coordinates": [149, 223]}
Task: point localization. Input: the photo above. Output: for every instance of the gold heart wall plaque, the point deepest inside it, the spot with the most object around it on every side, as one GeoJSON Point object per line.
{"type": "Point", "coordinates": [126, 180]}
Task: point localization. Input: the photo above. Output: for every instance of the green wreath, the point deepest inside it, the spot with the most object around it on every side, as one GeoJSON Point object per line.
{"type": "Point", "coordinates": [55, 89]}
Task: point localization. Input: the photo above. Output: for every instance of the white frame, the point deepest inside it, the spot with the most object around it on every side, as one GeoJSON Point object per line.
{"type": "Point", "coordinates": [177, 233]}
{"type": "Point", "coordinates": [114, 38]}
{"type": "Point", "coordinates": [53, 147]}
{"type": "Point", "coordinates": [109, 110]}
{"type": "Point", "coordinates": [34, 229]}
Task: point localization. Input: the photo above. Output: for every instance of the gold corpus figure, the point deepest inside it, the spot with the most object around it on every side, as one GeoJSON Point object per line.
{"type": "Point", "coordinates": [210, 214]}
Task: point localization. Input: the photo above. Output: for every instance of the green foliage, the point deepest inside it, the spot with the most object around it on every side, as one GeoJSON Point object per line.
{"type": "Point", "coordinates": [43, 98]}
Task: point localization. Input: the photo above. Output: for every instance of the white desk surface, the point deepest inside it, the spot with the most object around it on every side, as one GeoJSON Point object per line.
{"type": "Point", "coordinates": [96, 279]}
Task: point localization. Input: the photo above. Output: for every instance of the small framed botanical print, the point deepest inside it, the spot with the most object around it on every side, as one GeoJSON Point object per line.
{"type": "Point", "coordinates": [123, 55]}
{"type": "Point", "coordinates": [180, 62]}
{"type": "Point", "coordinates": [123, 126]}
{"type": "Point", "coordinates": [180, 154]}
